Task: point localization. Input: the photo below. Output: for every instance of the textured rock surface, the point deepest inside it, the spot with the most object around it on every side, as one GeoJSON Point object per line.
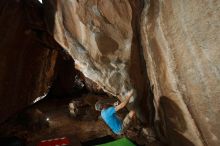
{"type": "Point", "coordinates": [109, 40]}
{"type": "Point", "coordinates": [98, 36]}
{"type": "Point", "coordinates": [101, 36]}
{"type": "Point", "coordinates": [26, 66]}
{"type": "Point", "coordinates": [181, 41]}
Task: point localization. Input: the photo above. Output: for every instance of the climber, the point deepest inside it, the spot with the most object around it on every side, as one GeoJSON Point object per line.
{"type": "Point", "coordinates": [108, 114]}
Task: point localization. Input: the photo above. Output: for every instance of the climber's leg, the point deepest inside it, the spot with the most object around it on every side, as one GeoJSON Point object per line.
{"type": "Point", "coordinates": [127, 122]}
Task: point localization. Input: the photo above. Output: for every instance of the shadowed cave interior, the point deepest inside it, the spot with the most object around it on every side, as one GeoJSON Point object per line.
{"type": "Point", "coordinates": [52, 117]}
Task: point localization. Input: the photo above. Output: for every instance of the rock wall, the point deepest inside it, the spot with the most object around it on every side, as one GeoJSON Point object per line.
{"type": "Point", "coordinates": [97, 38]}
{"type": "Point", "coordinates": [181, 42]}
{"type": "Point", "coordinates": [102, 38]}
{"type": "Point", "coordinates": [26, 63]}
{"type": "Point", "coordinates": [167, 47]}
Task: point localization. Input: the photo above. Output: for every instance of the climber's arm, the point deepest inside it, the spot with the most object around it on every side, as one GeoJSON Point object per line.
{"type": "Point", "coordinates": [124, 103]}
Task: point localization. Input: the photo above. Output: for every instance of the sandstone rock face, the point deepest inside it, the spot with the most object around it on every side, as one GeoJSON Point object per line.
{"type": "Point", "coordinates": [99, 35]}
{"type": "Point", "coordinates": [170, 47]}
{"type": "Point", "coordinates": [26, 66]}
{"type": "Point", "coordinates": [179, 41]}
{"type": "Point", "coordinates": [181, 46]}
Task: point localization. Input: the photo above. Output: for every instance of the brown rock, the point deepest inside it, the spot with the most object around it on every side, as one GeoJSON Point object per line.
{"type": "Point", "coordinates": [181, 45]}
{"type": "Point", "coordinates": [26, 62]}
{"type": "Point", "coordinates": [163, 49]}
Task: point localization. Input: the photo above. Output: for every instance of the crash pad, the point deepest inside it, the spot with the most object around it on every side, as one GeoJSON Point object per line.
{"type": "Point", "coordinates": [55, 142]}
{"type": "Point", "coordinates": [119, 142]}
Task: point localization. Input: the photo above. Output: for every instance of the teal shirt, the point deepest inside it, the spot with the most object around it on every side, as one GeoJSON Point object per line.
{"type": "Point", "coordinates": [111, 119]}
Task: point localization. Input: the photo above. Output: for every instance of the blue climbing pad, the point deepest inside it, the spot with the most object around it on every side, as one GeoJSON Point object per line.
{"type": "Point", "coordinates": [119, 142]}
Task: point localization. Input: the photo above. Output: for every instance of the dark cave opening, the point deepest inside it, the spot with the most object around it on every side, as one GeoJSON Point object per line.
{"type": "Point", "coordinates": [68, 82]}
